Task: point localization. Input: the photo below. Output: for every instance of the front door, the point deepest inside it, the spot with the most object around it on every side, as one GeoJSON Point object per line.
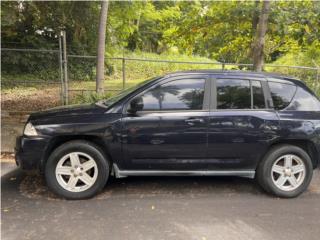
{"type": "Point", "coordinates": [170, 132]}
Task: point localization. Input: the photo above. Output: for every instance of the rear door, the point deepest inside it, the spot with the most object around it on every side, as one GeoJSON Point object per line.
{"type": "Point", "coordinates": [171, 131]}
{"type": "Point", "coordinates": [241, 123]}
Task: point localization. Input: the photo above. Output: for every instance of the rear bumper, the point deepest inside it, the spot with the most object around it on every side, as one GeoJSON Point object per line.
{"type": "Point", "coordinates": [29, 152]}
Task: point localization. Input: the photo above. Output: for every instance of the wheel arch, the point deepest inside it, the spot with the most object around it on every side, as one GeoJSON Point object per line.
{"type": "Point", "coordinates": [60, 140]}
{"type": "Point", "coordinates": [308, 146]}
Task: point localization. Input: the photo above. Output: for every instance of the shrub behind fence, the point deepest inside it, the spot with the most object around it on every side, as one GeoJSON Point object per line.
{"type": "Point", "coordinates": [42, 70]}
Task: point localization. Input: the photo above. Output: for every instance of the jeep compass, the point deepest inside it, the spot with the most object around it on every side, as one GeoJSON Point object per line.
{"type": "Point", "coordinates": [208, 123]}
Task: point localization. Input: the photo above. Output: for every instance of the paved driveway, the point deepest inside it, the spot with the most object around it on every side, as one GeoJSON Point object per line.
{"type": "Point", "coordinates": [135, 208]}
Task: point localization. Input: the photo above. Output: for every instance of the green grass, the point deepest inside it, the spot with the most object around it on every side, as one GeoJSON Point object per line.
{"type": "Point", "coordinates": [136, 71]}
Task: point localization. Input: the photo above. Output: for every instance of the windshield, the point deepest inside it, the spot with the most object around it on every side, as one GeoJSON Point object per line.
{"type": "Point", "coordinates": [122, 94]}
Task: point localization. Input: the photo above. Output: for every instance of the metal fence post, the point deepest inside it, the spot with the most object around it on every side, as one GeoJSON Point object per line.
{"type": "Point", "coordinates": [62, 90]}
{"type": "Point", "coordinates": [123, 73]}
{"type": "Point", "coordinates": [65, 67]}
{"type": "Point", "coordinates": [318, 83]}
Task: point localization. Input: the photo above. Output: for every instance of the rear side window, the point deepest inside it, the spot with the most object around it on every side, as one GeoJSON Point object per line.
{"type": "Point", "coordinates": [281, 94]}
{"type": "Point", "coordinates": [239, 94]}
{"type": "Point", "coordinates": [233, 94]}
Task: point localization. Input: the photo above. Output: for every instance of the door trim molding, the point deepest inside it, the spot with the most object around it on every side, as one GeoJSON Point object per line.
{"type": "Point", "coordinates": [125, 173]}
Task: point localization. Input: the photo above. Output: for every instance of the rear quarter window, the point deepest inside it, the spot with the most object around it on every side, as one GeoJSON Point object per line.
{"type": "Point", "coordinates": [281, 94]}
{"type": "Point", "coordinates": [304, 101]}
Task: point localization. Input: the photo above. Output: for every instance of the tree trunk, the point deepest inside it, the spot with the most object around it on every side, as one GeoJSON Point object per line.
{"type": "Point", "coordinates": [255, 17]}
{"type": "Point", "coordinates": [101, 46]}
{"type": "Point", "coordinates": [258, 47]}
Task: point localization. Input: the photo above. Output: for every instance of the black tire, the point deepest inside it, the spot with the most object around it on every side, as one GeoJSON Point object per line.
{"type": "Point", "coordinates": [77, 146]}
{"type": "Point", "coordinates": [264, 176]}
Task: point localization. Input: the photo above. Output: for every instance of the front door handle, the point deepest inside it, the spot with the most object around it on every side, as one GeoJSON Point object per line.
{"type": "Point", "coordinates": [156, 141]}
{"type": "Point", "coordinates": [192, 121]}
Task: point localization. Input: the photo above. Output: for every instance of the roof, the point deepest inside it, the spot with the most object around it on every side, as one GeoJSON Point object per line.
{"type": "Point", "coordinates": [236, 73]}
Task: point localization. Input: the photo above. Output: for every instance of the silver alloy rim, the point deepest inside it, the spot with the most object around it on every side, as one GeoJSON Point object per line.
{"type": "Point", "coordinates": [288, 172]}
{"type": "Point", "coordinates": [76, 172]}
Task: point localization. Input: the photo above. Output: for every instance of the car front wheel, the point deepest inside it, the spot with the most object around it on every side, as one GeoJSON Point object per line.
{"type": "Point", "coordinates": [286, 171]}
{"type": "Point", "coordinates": [77, 170]}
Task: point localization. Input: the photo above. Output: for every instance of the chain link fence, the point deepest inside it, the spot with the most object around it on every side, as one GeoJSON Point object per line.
{"type": "Point", "coordinates": [30, 79]}
{"type": "Point", "coordinates": [34, 79]}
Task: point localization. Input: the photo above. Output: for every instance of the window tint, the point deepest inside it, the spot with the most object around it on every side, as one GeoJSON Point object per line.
{"type": "Point", "coordinates": [258, 97]}
{"type": "Point", "coordinates": [122, 94]}
{"type": "Point", "coordinates": [304, 101]}
{"type": "Point", "coordinates": [233, 94]}
{"type": "Point", "coordinates": [282, 94]}
{"type": "Point", "coordinates": [186, 94]}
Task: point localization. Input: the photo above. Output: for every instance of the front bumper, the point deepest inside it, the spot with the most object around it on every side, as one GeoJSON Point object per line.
{"type": "Point", "coordinates": [30, 151]}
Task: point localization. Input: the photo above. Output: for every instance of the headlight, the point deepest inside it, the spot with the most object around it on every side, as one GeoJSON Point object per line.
{"type": "Point", "coordinates": [29, 130]}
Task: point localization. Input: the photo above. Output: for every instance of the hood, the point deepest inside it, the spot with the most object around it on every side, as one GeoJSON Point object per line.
{"type": "Point", "coordinates": [70, 110]}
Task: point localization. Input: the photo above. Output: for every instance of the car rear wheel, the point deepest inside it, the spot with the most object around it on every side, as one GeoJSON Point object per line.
{"type": "Point", "coordinates": [286, 171]}
{"type": "Point", "coordinates": [77, 170]}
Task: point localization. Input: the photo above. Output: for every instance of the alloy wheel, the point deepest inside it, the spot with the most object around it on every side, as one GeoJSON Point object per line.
{"type": "Point", "coordinates": [76, 172]}
{"type": "Point", "coordinates": [288, 172]}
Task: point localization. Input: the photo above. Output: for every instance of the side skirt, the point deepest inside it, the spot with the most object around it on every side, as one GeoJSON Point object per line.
{"type": "Point", "coordinates": [125, 173]}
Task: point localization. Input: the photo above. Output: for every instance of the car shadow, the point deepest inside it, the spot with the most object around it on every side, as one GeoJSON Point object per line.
{"type": "Point", "coordinates": [17, 183]}
{"type": "Point", "coordinates": [181, 186]}
{"type": "Point", "coordinates": [31, 185]}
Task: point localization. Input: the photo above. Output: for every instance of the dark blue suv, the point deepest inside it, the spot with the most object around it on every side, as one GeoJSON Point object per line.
{"type": "Point", "coordinates": [211, 123]}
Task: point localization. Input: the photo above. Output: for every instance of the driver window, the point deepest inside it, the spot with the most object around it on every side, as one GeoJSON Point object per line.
{"type": "Point", "coordinates": [184, 94]}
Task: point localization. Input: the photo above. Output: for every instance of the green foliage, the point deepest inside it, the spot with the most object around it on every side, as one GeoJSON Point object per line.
{"type": "Point", "coordinates": [89, 97]}
{"type": "Point", "coordinates": [41, 65]}
{"type": "Point", "coordinates": [225, 30]}
{"type": "Point", "coordinates": [178, 30]}
{"type": "Point", "coordinates": [222, 30]}
{"type": "Point", "coordinates": [310, 56]}
{"type": "Point", "coordinates": [37, 25]}
{"type": "Point", "coordinates": [147, 69]}
{"type": "Point", "coordinates": [142, 69]}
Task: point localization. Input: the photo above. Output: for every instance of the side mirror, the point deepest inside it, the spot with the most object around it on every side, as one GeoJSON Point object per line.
{"type": "Point", "coordinates": [136, 105]}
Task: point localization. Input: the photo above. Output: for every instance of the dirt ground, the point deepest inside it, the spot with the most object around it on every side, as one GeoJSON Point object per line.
{"type": "Point", "coordinates": [7, 157]}
{"type": "Point", "coordinates": [29, 99]}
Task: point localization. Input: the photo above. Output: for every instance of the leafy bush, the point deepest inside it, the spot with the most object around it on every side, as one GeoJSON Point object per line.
{"type": "Point", "coordinates": [303, 57]}
{"type": "Point", "coordinates": [90, 97]}
{"type": "Point", "coordinates": [145, 69]}
{"type": "Point", "coordinates": [307, 57]}
{"type": "Point", "coordinates": [43, 66]}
